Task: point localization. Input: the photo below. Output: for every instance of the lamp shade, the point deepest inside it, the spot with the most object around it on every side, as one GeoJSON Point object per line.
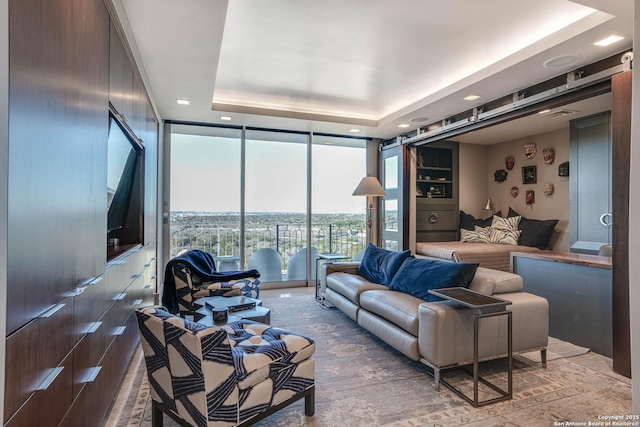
{"type": "Point", "coordinates": [369, 186]}
{"type": "Point", "coordinates": [489, 206]}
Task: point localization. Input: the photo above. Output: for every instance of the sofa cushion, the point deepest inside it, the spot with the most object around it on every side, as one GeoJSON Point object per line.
{"type": "Point", "coordinates": [350, 286]}
{"type": "Point", "coordinates": [417, 276]}
{"type": "Point", "coordinates": [489, 281]}
{"type": "Point", "coordinates": [379, 265]}
{"type": "Point", "coordinates": [399, 308]}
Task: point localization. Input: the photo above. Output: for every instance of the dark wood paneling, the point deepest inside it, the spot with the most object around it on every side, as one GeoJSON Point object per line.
{"type": "Point", "coordinates": [33, 351]}
{"type": "Point", "coordinates": [137, 114]}
{"type": "Point", "coordinates": [47, 407]}
{"type": "Point", "coordinates": [96, 397]}
{"type": "Point", "coordinates": [621, 134]}
{"type": "Point", "coordinates": [116, 57]}
{"type": "Point", "coordinates": [57, 133]}
{"type": "Point", "coordinates": [60, 85]}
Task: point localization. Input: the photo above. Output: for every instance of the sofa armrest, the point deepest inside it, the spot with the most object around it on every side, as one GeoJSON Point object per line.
{"type": "Point", "coordinates": [336, 267]}
{"type": "Point", "coordinates": [446, 329]}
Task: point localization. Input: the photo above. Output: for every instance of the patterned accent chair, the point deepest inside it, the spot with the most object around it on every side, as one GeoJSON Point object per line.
{"type": "Point", "coordinates": [232, 375]}
{"type": "Point", "coordinates": [190, 286]}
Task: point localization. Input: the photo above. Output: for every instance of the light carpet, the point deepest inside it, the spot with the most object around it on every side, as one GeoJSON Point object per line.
{"type": "Point", "coordinates": [557, 349]}
{"type": "Point", "coordinates": [361, 381]}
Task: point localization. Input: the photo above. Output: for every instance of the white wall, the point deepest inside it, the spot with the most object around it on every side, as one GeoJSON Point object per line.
{"type": "Point", "coordinates": [473, 179]}
{"type": "Point", "coordinates": [555, 206]}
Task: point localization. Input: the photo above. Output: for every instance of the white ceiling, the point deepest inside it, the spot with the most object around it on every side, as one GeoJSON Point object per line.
{"type": "Point", "coordinates": [336, 65]}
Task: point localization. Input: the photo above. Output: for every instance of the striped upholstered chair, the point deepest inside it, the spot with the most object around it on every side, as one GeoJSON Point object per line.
{"type": "Point", "coordinates": [232, 375]}
{"type": "Point", "coordinates": [192, 275]}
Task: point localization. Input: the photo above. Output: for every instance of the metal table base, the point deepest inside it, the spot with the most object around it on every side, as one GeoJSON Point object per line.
{"type": "Point", "coordinates": [504, 395]}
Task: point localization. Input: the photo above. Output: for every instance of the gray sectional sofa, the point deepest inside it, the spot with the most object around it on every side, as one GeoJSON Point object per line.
{"type": "Point", "coordinates": [439, 334]}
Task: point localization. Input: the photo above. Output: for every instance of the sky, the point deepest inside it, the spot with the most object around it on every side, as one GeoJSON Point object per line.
{"type": "Point", "coordinates": [205, 175]}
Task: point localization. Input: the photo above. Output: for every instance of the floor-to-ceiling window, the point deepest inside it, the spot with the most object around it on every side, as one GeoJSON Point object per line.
{"type": "Point", "coordinates": [276, 203]}
{"type": "Point", "coordinates": [338, 217]}
{"type": "Point", "coordinates": [244, 195]}
{"type": "Point", "coordinates": [205, 192]}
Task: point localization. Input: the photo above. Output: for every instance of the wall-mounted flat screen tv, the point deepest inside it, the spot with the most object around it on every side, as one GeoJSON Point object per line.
{"type": "Point", "coordinates": [122, 156]}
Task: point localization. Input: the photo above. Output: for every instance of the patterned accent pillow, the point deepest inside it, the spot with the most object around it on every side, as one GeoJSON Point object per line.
{"type": "Point", "coordinates": [505, 230]}
{"type": "Point", "coordinates": [479, 235]}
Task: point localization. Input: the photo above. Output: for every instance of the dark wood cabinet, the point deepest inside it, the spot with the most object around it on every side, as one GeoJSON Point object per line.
{"type": "Point", "coordinates": [71, 329]}
{"type": "Point", "coordinates": [437, 194]}
{"type": "Point", "coordinates": [121, 77]}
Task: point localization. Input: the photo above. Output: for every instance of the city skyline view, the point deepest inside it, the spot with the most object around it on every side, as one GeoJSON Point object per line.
{"type": "Point", "coordinates": [206, 173]}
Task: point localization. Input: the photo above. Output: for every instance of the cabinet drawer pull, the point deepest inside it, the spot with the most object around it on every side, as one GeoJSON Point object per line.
{"type": "Point", "coordinates": [50, 312]}
{"type": "Point", "coordinates": [136, 276]}
{"type": "Point", "coordinates": [137, 302]}
{"type": "Point", "coordinates": [147, 286]}
{"type": "Point", "coordinates": [119, 330]}
{"type": "Point", "coordinates": [95, 281]}
{"type": "Point", "coordinates": [77, 291]}
{"type": "Point", "coordinates": [92, 374]}
{"type": "Point", "coordinates": [50, 378]}
{"type": "Point", "coordinates": [120, 296]}
{"type": "Point", "coordinates": [93, 326]}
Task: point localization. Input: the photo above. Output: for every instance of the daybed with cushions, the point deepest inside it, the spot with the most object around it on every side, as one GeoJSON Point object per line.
{"type": "Point", "coordinates": [387, 294]}
{"type": "Point", "coordinates": [489, 242]}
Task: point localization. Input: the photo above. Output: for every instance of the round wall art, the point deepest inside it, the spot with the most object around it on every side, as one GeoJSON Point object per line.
{"type": "Point", "coordinates": [500, 175]}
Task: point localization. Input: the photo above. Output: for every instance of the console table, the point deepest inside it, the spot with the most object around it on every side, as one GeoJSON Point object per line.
{"type": "Point", "coordinates": [578, 288]}
{"type": "Point", "coordinates": [484, 306]}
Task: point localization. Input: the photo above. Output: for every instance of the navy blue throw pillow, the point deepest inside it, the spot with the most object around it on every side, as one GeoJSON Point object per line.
{"type": "Point", "coordinates": [380, 265]}
{"type": "Point", "coordinates": [417, 275]}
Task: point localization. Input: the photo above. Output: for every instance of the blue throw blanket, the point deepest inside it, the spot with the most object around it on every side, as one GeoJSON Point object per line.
{"type": "Point", "coordinates": [201, 264]}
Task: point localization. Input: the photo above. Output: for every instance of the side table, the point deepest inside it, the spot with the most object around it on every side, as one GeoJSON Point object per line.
{"type": "Point", "coordinates": [484, 306]}
{"type": "Point", "coordinates": [328, 259]}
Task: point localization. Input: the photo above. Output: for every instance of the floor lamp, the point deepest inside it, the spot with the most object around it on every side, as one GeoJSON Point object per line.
{"type": "Point", "coordinates": [369, 186]}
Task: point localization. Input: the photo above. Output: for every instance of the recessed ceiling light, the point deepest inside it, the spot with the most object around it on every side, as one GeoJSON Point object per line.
{"type": "Point", "coordinates": [183, 101]}
{"type": "Point", "coordinates": [354, 130]}
{"type": "Point", "coordinates": [471, 97]}
{"type": "Point", "coordinates": [419, 119]}
{"type": "Point", "coordinates": [225, 117]}
{"type": "Point", "coordinates": [328, 143]}
{"type": "Point", "coordinates": [544, 111]}
{"type": "Point", "coordinates": [404, 125]}
{"type": "Point", "coordinates": [560, 61]}
{"type": "Point", "coordinates": [609, 40]}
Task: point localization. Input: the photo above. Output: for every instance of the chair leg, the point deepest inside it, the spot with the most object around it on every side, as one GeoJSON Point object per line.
{"type": "Point", "coordinates": [543, 357]}
{"type": "Point", "coordinates": [156, 414]}
{"type": "Point", "coordinates": [310, 403]}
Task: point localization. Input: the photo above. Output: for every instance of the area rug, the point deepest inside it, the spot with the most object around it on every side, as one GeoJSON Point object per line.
{"type": "Point", "coordinates": [557, 349]}
{"type": "Point", "coordinates": [361, 381]}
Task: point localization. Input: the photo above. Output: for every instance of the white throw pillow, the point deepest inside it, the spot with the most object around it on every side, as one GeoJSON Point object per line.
{"type": "Point", "coordinates": [505, 230]}
{"type": "Point", "coordinates": [479, 235]}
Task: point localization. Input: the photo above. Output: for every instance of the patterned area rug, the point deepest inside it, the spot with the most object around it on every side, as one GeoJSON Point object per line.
{"type": "Point", "coordinates": [361, 381]}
